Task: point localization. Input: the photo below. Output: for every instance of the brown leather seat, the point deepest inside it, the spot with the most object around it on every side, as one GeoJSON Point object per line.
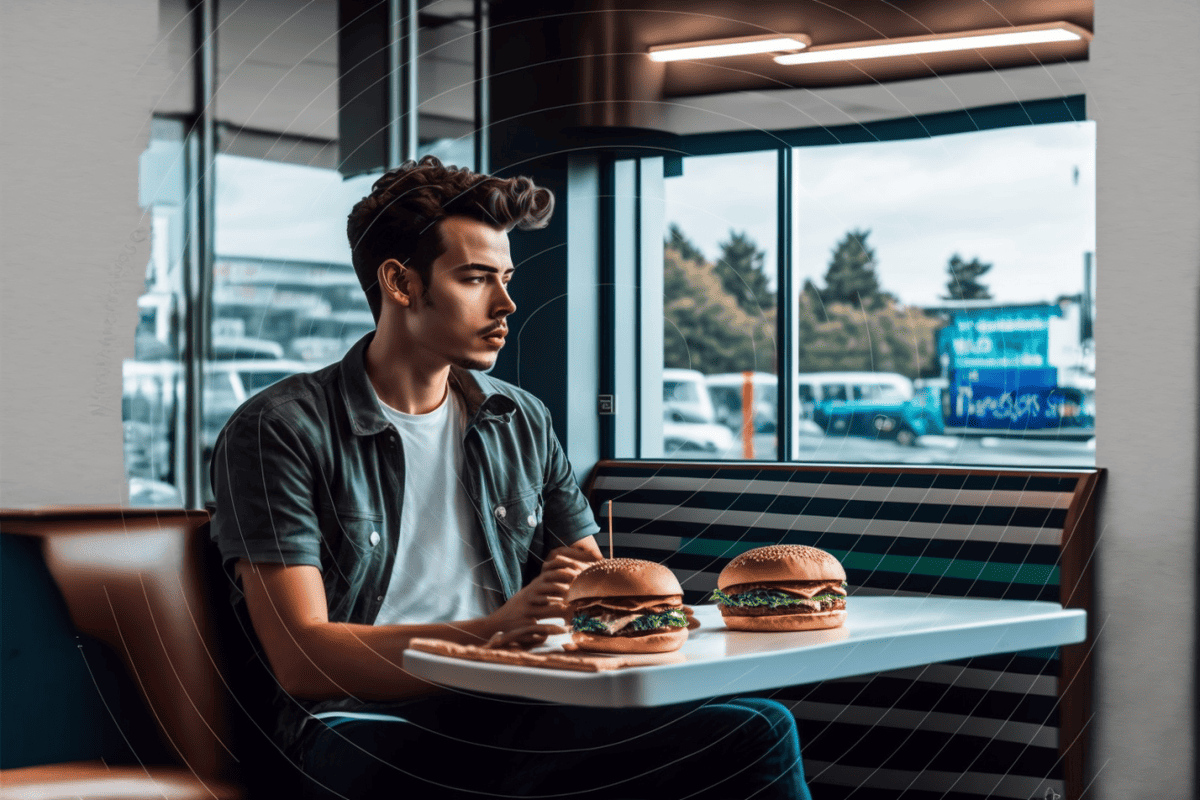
{"type": "Point", "coordinates": [135, 579]}
{"type": "Point", "coordinates": [93, 780]}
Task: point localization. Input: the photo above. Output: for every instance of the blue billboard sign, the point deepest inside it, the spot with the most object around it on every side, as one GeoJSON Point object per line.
{"type": "Point", "coordinates": [999, 338]}
{"type": "Point", "coordinates": [1000, 376]}
{"type": "Point", "coordinates": [1014, 401]}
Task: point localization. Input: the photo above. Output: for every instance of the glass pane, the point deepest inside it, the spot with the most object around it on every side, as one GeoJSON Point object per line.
{"type": "Point", "coordinates": [719, 384]}
{"type": "Point", "coordinates": [446, 82]}
{"type": "Point", "coordinates": [153, 379]}
{"type": "Point", "coordinates": [944, 301]}
{"type": "Point", "coordinates": [285, 296]}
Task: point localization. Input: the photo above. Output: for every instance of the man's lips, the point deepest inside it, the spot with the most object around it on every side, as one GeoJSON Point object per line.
{"type": "Point", "coordinates": [496, 336]}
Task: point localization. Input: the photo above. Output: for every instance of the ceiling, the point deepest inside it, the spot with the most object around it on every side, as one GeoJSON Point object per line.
{"type": "Point", "coordinates": [584, 62]}
{"type": "Point", "coordinates": [832, 23]}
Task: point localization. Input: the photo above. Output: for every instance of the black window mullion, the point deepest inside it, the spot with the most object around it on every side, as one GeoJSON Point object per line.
{"type": "Point", "coordinates": [785, 345]}
{"type": "Point", "coordinates": [198, 268]}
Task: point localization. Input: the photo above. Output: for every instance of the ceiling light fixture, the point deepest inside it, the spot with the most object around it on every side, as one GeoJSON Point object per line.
{"type": "Point", "coordinates": [721, 48]}
{"type": "Point", "coordinates": [941, 43]}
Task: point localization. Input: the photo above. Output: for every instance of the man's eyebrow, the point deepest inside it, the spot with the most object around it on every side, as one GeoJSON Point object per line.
{"type": "Point", "coordinates": [482, 268]}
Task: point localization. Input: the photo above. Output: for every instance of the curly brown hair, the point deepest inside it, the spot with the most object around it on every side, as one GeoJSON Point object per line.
{"type": "Point", "coordinates": [399, 218]}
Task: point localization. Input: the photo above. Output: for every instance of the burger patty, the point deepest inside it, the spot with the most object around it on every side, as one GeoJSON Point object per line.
{"type": "Point", "coordinates": [803, 607]}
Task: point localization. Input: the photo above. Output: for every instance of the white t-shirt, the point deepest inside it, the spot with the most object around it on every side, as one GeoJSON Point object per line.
{"type": "Point", "coordinates": [443, 570]}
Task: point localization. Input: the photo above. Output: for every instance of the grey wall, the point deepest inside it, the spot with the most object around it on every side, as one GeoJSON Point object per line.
{"type": "Point", "coordinates": [79, 81]}
{"type": "Point", "coordinates": [1142, 93]}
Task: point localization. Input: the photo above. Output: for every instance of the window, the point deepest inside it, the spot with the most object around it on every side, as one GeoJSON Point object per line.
{"type": "Point", "coordinates": [940, 300]}
{"type": "Point", "coordinates": [279, 293]}
{"type": "Point", "coordinates": [719, 304]}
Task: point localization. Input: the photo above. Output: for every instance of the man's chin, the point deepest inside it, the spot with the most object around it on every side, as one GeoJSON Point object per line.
{"type": "Point", "coordinates": [480, 364]}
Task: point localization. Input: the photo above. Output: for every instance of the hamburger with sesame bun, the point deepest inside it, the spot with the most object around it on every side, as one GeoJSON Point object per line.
{"type": "Point", "coordinates": [783, 587]}
{"type": "Point", "coordinates": [627, 605]}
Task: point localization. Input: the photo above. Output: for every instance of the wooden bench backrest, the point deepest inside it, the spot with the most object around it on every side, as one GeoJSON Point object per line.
{"type": "Point", "coordinates": [1007, 726]}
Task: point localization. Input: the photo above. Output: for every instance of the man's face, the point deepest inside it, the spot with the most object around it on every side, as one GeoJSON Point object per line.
{"type": "Point", "coordinates": [460, 317]}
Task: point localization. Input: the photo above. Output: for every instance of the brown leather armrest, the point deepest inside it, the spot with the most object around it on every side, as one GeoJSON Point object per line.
{"type": "Point", "coordinates": [93, 780]}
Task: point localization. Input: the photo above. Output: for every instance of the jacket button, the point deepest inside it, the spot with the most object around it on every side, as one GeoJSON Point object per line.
{"type": "Point", "coordinates": [501, 512]}
{"type": "Point", "coordinates": [532, 520]}
{"type": "Point", "coordinates": [374, 540]}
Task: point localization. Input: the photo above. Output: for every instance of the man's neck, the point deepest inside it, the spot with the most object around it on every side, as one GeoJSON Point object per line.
{"type": "Point", "coordinates": [402, 382]}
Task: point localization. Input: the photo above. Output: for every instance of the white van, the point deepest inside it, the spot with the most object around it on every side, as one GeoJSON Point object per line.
{"type": "Point", "coordinates": [685, 391]}
{"type": "Point", "coordinates": [816, 387]}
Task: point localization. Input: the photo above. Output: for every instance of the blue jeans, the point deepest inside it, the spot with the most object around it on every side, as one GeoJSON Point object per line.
{"type": "Point", "coordinates": [472, 746]}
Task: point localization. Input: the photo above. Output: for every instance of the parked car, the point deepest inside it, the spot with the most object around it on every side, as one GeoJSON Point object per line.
{"type": "Point", "coordinates": [245, 347]}
{"type": "Point", "coordinates": [686, 391]}
{"type": "Point", "coordinates": [886, 415]}
{"type": "Point", "coordinates": [816, 387]}
{"type": "Point", "coordinates": [689, 436]}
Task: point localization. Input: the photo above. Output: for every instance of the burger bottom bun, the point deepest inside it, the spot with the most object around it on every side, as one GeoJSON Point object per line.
{"type": "Point", "coordinates": [787, 622]}
{"type": "Point", "coordinates": [664, 642]}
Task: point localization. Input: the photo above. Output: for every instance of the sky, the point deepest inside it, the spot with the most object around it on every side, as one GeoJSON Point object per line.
{"type": "Point", "coordinates": [1022, 199]}
{"type": "Point", "coordinates": [286, 211]}
{"type": "Point", "coordinates": [1010, 197]}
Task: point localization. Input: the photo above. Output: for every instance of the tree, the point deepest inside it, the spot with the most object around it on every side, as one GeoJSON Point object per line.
{"type": "Point", "coordinates": [834, 337]}
{"type": "Point", "coordinates": [704, 325]}
{"type": "Point", "coordinates": [851, 276]}
{"type": "Point", "coordinates": [685, 247]}
{"type": "Point", "coordinates": [964, 279]}
{"type": "Point", "coordinates": [740, 268]}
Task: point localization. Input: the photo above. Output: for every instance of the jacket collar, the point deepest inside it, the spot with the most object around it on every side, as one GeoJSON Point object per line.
{"type": "Point", "coordinates": [484, 396]}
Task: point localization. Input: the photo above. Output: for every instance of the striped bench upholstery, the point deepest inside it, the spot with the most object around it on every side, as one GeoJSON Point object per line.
{"type": "Point", "coordinates": [1004, 726]}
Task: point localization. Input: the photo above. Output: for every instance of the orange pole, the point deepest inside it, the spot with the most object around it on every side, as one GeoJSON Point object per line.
{"type": "Point", "coordinates": [747, 415]}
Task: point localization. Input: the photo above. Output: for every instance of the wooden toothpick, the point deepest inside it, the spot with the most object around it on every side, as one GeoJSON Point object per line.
{"type": "Point", "coordinates": [610, 538]}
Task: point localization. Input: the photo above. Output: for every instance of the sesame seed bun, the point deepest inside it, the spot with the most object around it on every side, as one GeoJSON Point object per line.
{"type": "Point", "coordinates": [780, 563]}
{"type": "Point", "coordinates": [664, 641]}
{"type": "Point", "coordinates": [624, 577]}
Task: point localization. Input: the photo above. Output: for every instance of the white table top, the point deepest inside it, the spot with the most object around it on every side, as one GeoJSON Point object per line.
{"type": "Point", "coordinates": [880, 633]}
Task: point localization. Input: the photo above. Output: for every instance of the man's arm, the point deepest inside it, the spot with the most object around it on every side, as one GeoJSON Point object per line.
{"type": "Point", "coordinates": [315, 659]}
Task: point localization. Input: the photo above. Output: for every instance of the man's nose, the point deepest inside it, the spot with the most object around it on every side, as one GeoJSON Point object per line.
{"type": "Point", "coordinates": [505, 304]}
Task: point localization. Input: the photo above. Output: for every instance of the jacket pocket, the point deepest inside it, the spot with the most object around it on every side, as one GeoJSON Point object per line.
{"type": "Point", "coordinates": [519, 523]}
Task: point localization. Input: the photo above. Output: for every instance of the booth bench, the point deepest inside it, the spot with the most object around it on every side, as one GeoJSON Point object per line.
{"type": "Point", "coordinates": [123, 666]}
{"type": "Point", "coordinates": [1000, 726]}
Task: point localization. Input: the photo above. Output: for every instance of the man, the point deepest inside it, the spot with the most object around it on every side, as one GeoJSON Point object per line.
{"type": "Point", "coordinates": [402, 493]}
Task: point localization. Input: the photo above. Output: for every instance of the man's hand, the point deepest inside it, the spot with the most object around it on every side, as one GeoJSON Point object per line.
{"type": "Point", "coordinates": [563, 565]}
{"type": "Point", "coordinates": [525, 638]}
{"type": "Point", "coordinates": [545, 596]}
{"type": "Point", "coordinates": [540, 599]}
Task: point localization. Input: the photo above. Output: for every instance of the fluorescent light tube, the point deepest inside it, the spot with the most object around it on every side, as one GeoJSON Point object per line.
{"type": "Point", "coordinates": [940, 43]}
{"type": "Point", "coordinates": [721, 48]}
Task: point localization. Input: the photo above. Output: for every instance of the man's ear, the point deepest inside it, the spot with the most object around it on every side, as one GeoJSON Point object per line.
{"type": "Point", "coordinates": [398, 282]}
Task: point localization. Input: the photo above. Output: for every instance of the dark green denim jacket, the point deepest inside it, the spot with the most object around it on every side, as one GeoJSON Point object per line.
{"type": "Point", "coordinates": [309, 471]}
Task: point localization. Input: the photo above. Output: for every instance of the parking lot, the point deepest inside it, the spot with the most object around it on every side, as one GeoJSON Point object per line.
{"type": "Point", "coordinates": [976, 451]}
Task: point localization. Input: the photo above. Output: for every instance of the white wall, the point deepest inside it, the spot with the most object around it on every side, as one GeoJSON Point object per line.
{"type": "Point", "coordinates": [79, 81]}
{"type": "Point", "coordinates": [1143, 95]}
